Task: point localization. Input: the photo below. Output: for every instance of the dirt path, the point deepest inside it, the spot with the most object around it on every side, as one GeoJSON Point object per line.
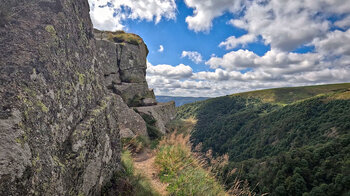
{"type": "Point", "coordinates": [144, 164]}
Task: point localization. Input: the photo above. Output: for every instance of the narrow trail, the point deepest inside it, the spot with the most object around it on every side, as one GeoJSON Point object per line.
{"type": "Point", "coordinates": [144, 164]}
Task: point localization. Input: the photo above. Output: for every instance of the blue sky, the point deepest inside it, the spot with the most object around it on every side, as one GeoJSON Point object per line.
{"type": "Point", "coordinates": [175, 37]}
{"type": "Point", "coordinates": [219, 47]}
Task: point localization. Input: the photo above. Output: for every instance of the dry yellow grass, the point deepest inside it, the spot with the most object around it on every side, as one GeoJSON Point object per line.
{"type": "Point", "coordinates": [144, 164]}
{"type": "Point", "coordinates": [179, 157]}
{"type": "Point", "coordinates": [121, 36]}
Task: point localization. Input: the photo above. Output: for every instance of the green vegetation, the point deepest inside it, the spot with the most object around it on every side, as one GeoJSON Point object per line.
{"type": "Point", "coordinates": [136, 144]}
{"type": "Point", "coordinates": [136, 101]}
{"type": "Point", "coordinates": [121, 36]}
{"type": "Point", "coordinates": [152, 129]}
{"type": "Point", "coordinates": [183, 171]}
{"type": "Point", "coordinates": [288, 141]}
{"type": "Point", "coordinates": [181, 126]}
{"type": "Point", "coordinates": [127, 181]}
{"type": "Point", "coordinates": [292, 94]}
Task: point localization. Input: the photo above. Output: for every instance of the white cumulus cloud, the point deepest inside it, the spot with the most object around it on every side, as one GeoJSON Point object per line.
{"type": "Point", "coordinates": [343, 23]}
{"type": "Point", "coordinates": [234, 60]}
{"type": "Point", "coordinates": [233, 42]}
{"type": "Point", "coordinates": [284, 25]}
{"type": "Point", "coordinates": [175, 72]}
{"type": "Point", "coordinates": [204, 11]}
{"type": "Point", "coordinates": [194, 56]}
{"type": "Point", "coordinates": [334, 43]}
{"type": "Point", "coordinates": [110, 14]}
{"type": "Point", "coordinates": [161, 48]}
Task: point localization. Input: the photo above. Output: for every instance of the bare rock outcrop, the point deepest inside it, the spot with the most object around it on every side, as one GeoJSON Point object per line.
{"type": "Point", "coordinates": [65, 97]}
{"type": "Point", "coordinates": [162, 113]}
{"type": "Point", "coordinates": [58, 121]}
{"type": "Point", "coordinates": [125, 65]}
{"type": "Point", "coordinates": [116, 59]}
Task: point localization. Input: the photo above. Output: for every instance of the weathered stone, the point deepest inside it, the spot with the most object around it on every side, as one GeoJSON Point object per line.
{"type": "Point", "coordinates": [62, 99]}
{"type": "Point", "coordinates": [124, 66]}
{"type": "Point", "coordinates": [162, 112]}
{"type": "Point", "coordinates": [58, 121]}
{"type": "Point", "coordinates": [133, 93]}
{"type": "Point", "coordinates": [132, 62]}
{"type": "Point", "coordinates": [15, 153]}
{"type": "Point", "coordinates": [131, 56]}
{"type": "Point", "coordinates": [149, 102]}
{"type": "Point", "coordinates": [130, 123]}
{"type": "Point", "coordinates": [126, 133]}
{"type": "Point", "coordinates": [108, 62]}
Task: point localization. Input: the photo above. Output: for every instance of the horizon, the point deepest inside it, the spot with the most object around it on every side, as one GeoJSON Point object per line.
{"type": "Point", "coordinates": [259, 90]}
{"type": "Point", "coordinates": [217, 48]}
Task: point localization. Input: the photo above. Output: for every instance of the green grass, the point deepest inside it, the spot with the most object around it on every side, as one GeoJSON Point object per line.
{"type": "Point", "coordinates": [128, 182]}
{"type": "Point", "coordinates": [182, 171]}
{"type": "Point", "coordinates": [181, 126]}
{"type": "Point", "coordinates": [136, 144]}
{"type": "Point", "coordinates": [121, 36]}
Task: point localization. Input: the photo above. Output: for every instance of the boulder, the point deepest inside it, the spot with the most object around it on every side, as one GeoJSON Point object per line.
{"type": "Point", "coordinates": [149, 102]}
{"type": "Point", "coordinates": [162, 113]}
{"type": "Point", "coordinates": [134, 93]}
{"type": "Point", "coordinates": [129, 122]}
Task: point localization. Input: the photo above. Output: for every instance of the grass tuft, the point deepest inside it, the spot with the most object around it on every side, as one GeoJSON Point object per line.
{"type": "Point", "coordinates": [127, 181]}
{"type": "Point", "coordinates": [188, 174]}
{"type": "Point", "coordinates": [121, 36]}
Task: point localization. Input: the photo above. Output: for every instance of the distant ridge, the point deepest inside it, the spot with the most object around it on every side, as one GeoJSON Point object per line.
{"type": "Point", "coordinates": [288, 95]}
{"type": "Point", "coordinates": [179, 101]}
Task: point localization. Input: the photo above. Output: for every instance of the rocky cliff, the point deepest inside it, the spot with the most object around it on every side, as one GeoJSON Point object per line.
{"type": "Point", "coordinates": [161, 112]}
{"type": "Point", "coordinates": [64, 98]}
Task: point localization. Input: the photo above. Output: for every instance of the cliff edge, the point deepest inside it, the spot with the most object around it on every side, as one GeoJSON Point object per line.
{"type": "Point", "coordinates": [65, 98]}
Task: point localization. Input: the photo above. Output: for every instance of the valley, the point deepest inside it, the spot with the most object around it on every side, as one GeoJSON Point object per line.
{"type": "Point", "coordinates": [287, 141]}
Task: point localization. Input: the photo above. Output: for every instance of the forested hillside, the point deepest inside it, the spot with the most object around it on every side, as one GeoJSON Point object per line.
{"type": "Point", "coordinates": [179, 101]}
{"type": "Point", "coordinates": [287, 141]}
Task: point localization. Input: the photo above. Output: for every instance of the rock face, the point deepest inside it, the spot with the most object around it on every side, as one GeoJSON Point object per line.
{"type": "Point", "coordinates": [126, 78]}
{"type": "Point", "coordinates": [65, 97]}
{"type": "Point", "coordinates": [126, 75]}
{"type": "Point", "coordinates": [59, 122]}
{"type": "Point", "coordinates": [162, 112]}
{"type": "Point", "coordinates": [129, 122]}
{"type": "Point", "coordinates": [113, 59]}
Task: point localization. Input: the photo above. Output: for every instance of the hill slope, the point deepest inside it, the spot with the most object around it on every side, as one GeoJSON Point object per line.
{"type": "Point", "coordinates": [179, 101]}
{"type": "Point", "coordinates": [289, 141]}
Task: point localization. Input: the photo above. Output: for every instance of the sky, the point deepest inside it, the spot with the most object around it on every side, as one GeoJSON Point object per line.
{"type": "Point", "coordinates": [209, 48]}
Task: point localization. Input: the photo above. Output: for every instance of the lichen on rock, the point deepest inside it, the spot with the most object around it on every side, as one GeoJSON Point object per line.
{"type": "Point", "coordinates": [50, 83]}
{"type": "Point", "coordinates": [65, 98]}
